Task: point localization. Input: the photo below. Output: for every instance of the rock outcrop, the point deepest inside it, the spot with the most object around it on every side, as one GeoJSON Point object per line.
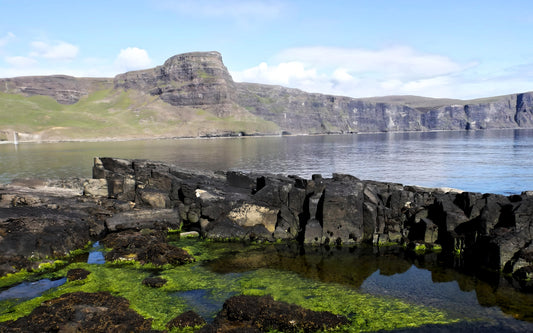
{"type": "Point", "coordinates": [191, 79]}
{"type": "Point", "coordinates": [196, 89]}
{"type": "Point", "coordinates": [342, 210]}
{"type": "Point", "coordinates": [488, 230]}
{"type": "Point", "coordinates": [64, 89]}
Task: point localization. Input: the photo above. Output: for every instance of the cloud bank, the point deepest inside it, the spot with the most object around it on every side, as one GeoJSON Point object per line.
{"type": "Point", "coordinates": [396, 70]}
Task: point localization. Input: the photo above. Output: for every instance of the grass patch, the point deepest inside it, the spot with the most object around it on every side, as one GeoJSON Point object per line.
{"type": "Point", "coordinates": [209, 290]}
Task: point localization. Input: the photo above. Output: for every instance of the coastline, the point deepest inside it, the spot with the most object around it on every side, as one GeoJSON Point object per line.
{"type": "Point", "coordinates": [229, 136]}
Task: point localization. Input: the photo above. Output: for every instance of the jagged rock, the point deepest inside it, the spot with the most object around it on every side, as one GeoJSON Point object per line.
{"type": "Point", "coordinates": [342, 210]}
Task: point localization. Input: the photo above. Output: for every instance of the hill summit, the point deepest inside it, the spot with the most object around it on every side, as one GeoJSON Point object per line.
{"type": "Point", "coordinates": [193, 95]}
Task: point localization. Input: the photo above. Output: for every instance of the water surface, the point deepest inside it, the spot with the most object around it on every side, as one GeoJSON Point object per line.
{"type": "Point", "coordinates": [499, 161]}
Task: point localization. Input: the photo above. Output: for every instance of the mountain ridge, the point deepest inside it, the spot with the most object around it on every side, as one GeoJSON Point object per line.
{"type": "Point", "coordinates": [193, 95]}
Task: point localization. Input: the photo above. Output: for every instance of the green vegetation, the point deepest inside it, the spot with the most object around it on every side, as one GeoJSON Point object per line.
{"type": "Point", "coordinates": [116, 113]}
{"type": "Point", "coordinates": [210, 289]}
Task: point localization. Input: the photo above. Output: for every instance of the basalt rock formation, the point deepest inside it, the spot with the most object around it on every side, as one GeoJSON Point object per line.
{"type": "Point", "coordinates": [195, 92]}
{"type": "Point", "coordinates": [488, 230]}
{"type": "Point", "coordinates": [342, 210]}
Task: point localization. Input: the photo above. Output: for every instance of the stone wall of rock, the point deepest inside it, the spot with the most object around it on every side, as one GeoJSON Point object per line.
{"type": "Point", "coordinates": [342, 210]}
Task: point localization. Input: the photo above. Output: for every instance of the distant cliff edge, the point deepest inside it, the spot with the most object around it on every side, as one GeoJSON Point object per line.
{"type": "Point", "coordinates": [193, 95]}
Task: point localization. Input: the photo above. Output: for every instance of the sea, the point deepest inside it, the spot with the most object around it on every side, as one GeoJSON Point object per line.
{"type": "Point", "coordinates": [486, 161]}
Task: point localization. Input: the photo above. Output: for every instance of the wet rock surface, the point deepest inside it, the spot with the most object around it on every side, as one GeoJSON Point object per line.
{"type": "Point", "coordinates": [187, 319]}
{"type": "Point", "coordinates": [263, 314]}
{"type": "Point", "coordinates": [77, 274]}
{"type": "Point", "coordinates": [50, 218]}
{"type": "Point", "coordinates": [81, 312]}
{"type": "Point", "coordinates": [154, 282]}
{"type": "Point", "coordinates": [149, 246]}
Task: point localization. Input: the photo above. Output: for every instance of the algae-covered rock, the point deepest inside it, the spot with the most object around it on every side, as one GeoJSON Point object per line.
{"type": "Point", "coordinates": [265, 314]}
{"type": "Point", "coordinates": [81, 312]}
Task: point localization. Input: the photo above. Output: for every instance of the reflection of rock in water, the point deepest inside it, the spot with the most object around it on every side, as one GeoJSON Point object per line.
{"type": "Point", "coordinates": [203, 302]}
{"type": "Point", "coordinates": [388, 271]}
{"type": "Point", "coordinates": [348, 266]}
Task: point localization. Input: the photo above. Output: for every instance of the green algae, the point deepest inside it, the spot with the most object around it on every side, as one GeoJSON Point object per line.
{"type": "Point", "coordinates": [366, 312]}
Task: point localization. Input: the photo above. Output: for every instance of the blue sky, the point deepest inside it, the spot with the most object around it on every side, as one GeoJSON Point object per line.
{"type": "Point", "coordinates": [457, 49]}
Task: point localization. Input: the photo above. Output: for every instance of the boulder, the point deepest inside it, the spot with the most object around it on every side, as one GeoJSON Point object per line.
{"type": "Point", "coordinates": [263, 314]}
{"type": "Point", "coordinates": [186, 319]}
{"type": "Point", "coordinates": [249, 215]}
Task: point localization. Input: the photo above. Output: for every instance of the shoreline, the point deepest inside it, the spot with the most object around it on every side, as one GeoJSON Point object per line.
{"type": "Point", "coordinates": [115, 139]}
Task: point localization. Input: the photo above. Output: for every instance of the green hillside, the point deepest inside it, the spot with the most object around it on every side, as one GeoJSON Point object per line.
{"type": "Point", "coordinates": [116, 114]}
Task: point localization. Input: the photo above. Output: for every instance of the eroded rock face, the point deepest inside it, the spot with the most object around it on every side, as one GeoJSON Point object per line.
{"type": "Point", "coordinates": [64, 89]}
{"type": "Point", "coordinates": [190, 79]}
{"type": "Point", "coordinates": [81, 312]}
{"type": "Point", "coordinates": [335, 211]}
{"type": "Point", "coordinates": [491, 230]}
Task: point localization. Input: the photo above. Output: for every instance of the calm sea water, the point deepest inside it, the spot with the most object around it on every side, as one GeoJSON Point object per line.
{"type": "Point", "coordinates": [499, 161]}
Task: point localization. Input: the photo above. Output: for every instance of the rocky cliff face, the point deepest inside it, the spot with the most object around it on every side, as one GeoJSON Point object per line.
{"type": "Point", "coordinates": [191, 79]}
{"type": "Point", "coordinates": [198, 82]}
{"type": "Point", "coordinates": [299, 112]}
{"type": "Point", "coordinates": [62, 88]}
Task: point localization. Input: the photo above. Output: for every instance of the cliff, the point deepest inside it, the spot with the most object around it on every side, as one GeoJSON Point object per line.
{"type": "Point", "coordinates": [193, 95]}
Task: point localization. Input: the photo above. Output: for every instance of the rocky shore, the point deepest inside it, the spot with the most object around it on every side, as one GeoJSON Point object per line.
{"type": "Point", "coordinates": [130, 205]}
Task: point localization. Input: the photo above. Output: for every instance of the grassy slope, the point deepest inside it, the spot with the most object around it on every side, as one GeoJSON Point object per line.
{"type": "Point", "coordinates": [110, 113]}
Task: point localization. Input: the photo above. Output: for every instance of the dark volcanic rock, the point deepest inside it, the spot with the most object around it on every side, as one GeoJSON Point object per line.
{"type": "Point", "coordinates": [77, 274]}
{"type": "Point", "coordinates": [187, 319]}
{"type": "Point", "coordinates": [81, 312]}
{"type": "Point", "coordinates": [154, 282]}
{"type": "Point", "coordinates": [264, 314]}
{"type": "Point", "coordinates": [148, 246]}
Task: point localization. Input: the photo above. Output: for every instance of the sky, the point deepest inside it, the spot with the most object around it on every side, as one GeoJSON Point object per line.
{"type": "Point", "coordinates": [454, 49]}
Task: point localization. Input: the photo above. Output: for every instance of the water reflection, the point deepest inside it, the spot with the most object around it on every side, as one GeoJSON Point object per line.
{"type": "Point", "coordinates": [393, 272]}
{"type": "Point", "coordinates": [478, 161]}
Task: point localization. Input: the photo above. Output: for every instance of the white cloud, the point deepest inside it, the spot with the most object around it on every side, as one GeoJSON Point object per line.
{"type": "Point", "coordinates": [4, 40]}
{"type": "Point", "coordinates": [363, 73]}
{"type": "Point", "coordinates": [19, 61]}
{"type": "Point", "coordinates": [57, 51]}
{"type": "Point", "coordinates": [399, 61]}
{"type": "Point", "coordinates": [132, 58]}
{"type": "Point", "coordinates": [283, 74]}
